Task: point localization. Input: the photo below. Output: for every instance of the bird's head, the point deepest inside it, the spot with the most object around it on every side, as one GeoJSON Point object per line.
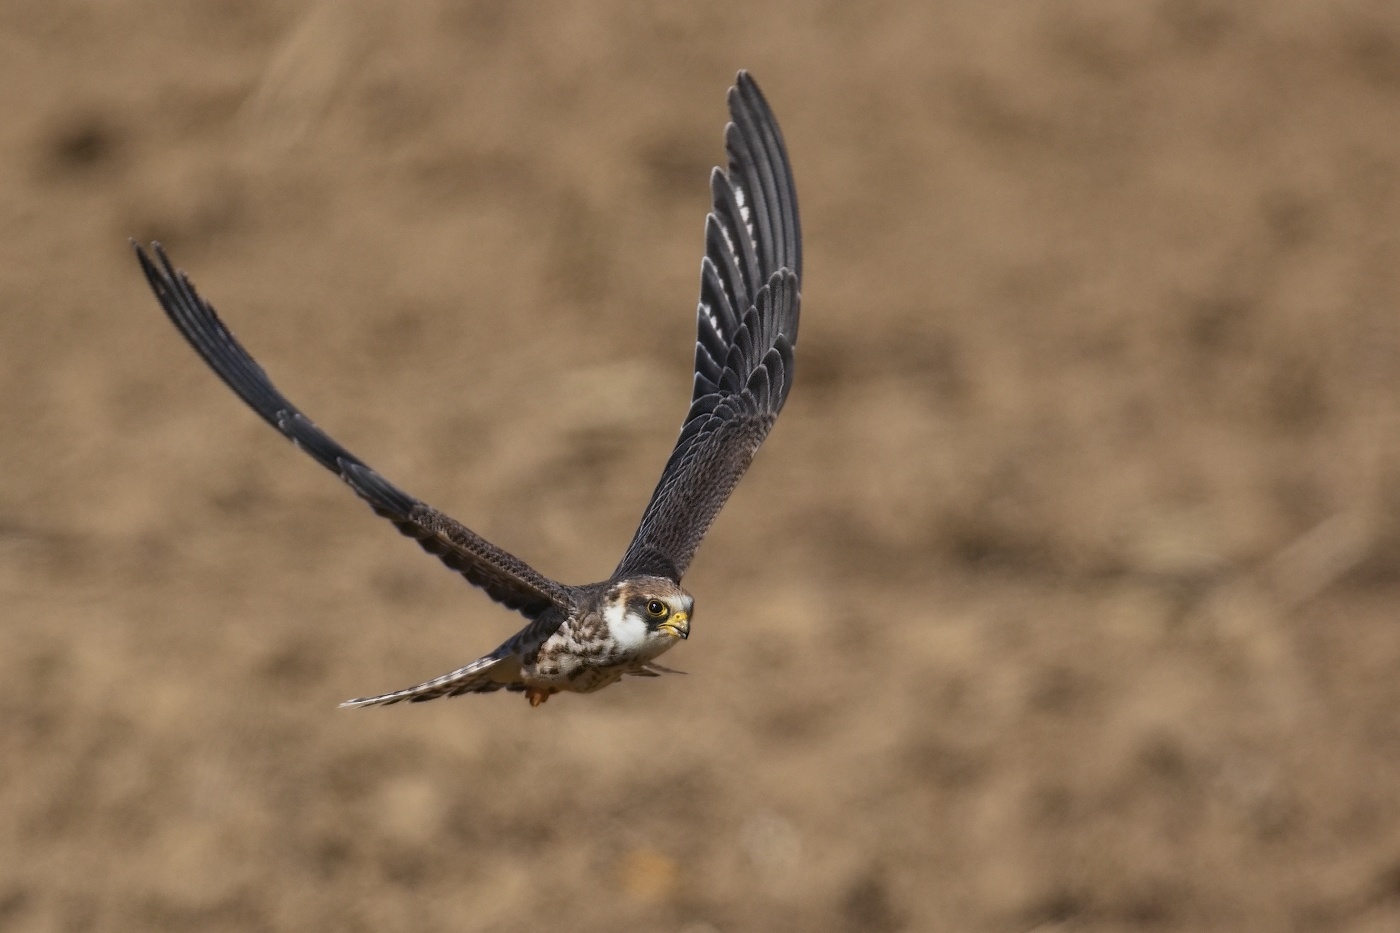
{"type": "Point", "coordinates": [648, 613]}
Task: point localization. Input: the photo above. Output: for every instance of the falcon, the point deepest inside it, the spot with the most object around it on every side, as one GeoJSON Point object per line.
{"type": "Point", "coordinates": [582, 638]}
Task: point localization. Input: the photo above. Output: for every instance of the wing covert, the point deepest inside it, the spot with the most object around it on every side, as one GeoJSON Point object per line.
{"type": "Point", "coordinates": [720, 436]}
{"type": "Point", "coordinates": [505, 578]}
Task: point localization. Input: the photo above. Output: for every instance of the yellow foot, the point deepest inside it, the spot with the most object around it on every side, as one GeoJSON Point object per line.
{"type": "Point", "coordinates": [537, 695]}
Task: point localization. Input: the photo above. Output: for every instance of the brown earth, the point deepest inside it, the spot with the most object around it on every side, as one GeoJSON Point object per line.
{"type": "Point", "coordinates": [1065, 596]}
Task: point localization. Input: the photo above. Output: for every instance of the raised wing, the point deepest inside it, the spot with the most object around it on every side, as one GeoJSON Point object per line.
{"type": "Point", "coordinates": [747, 328]}
{"type": "Point", "coordinates": [505, 578]}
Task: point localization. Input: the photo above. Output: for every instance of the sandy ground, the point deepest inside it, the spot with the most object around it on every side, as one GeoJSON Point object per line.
{"type": "Point", "coordinates": [1065, 596]}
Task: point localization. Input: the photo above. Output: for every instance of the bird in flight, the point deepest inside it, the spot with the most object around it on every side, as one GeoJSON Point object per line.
{"type": "Point", "coordinates": [583, 638]}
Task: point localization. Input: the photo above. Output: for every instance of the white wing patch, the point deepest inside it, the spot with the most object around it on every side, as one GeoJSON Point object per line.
{"type": "Point", "coordinates": [741, 200]}
{"type": "Point", "coordinates": [724, 232]}
{"type": "Point", "coordinates": [714, 321]}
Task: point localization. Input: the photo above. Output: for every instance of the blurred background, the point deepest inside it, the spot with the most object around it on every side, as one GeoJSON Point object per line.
{"type": "Point", "coordinates": [1065, 595]}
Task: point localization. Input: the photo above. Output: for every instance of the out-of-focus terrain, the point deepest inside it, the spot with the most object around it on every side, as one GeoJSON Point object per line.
{"type": "Point", "coordinates": [1065, 595]}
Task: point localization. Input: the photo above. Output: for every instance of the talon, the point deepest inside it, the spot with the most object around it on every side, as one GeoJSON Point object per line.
{"type": "Point", "coordinates": [537, 695]}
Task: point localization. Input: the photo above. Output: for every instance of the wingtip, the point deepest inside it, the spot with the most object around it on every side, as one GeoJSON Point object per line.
{"type": "Point", "coordinates": [744, 87]}
{"type": "Point", "coordinates": [159, 267]}
{"type": "Point", "coordinates": [745, 81]}
{"type": "Point", "coordinates": [141, 256]}
{"type": "Point", "coordinates": [156, 276]}
{"type": "Point", "coordinates": [170, 269]}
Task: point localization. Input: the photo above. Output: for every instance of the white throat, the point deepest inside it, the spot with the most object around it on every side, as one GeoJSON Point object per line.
{"type": "Point", "coordinates": [628, 631]}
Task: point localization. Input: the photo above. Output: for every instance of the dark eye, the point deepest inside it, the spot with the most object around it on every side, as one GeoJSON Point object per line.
{"type": "Point", "coordinates": [656, 607]}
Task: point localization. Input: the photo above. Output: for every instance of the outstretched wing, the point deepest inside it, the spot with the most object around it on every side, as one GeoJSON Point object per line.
{"type": "Point", "coordinates": [505, 578]}
{"type": "Point", "coordinates": [747, 328]}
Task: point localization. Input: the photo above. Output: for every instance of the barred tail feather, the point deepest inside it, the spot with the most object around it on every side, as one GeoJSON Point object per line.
{"type": "Point", "coordinates": [484, 675]}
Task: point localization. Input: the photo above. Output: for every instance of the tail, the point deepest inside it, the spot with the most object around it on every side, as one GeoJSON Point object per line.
{"type": "Point", "coordinates": [484, 675]}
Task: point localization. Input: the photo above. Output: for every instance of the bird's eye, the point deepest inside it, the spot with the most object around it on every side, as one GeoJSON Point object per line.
{"type": "Point", "coordinates": [657, 608]}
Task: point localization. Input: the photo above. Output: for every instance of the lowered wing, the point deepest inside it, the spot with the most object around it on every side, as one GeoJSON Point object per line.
{"type": "Point", "coordinates": [505, 578]}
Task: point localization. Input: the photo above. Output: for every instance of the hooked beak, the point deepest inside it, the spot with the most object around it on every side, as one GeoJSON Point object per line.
{"type": "Point", "coordinates": [678, 626]}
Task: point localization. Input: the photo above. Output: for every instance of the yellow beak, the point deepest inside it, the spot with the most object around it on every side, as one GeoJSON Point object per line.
{"type": "Point", "coordinates": [678, 626]}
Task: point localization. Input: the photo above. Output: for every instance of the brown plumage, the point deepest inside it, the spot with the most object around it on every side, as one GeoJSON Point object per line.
{"type": "Point", "coordinates": [583, 638]}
